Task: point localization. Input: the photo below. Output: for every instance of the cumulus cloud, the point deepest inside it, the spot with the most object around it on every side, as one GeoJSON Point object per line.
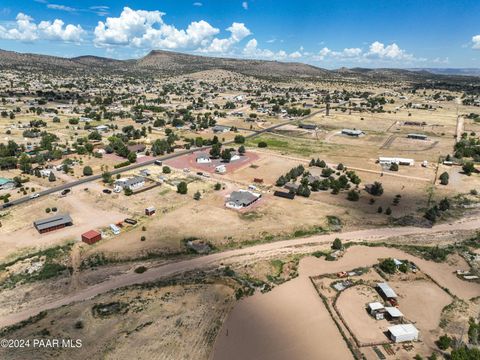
{"type": "Point", "coordinates": [146, 29]}
{"type": "Point", "coordinates": [295, 55]}
{"type": "Point", "coordinates": [238, 32]}
{"type": "Point", "coordinates": [197, 4]}
{"type": "Point", "coordinates": [252, 50]}
{"type": "Point", "coordinates": [245, 5]}
{"type": "Point", "coordinates": [25, 29]}
{"type": "Point", "coordinates": [392, 52]}
{"type": "Point", "coordinates": [376, 51]}
{"type": "Point", "coordinates": [476, 42]}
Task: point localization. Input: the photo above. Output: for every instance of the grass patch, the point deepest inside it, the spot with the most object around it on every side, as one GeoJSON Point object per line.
{"type": "Point", "coordinates": [250, 216]}
{"type": "Point", "coordinates": [304, 147]}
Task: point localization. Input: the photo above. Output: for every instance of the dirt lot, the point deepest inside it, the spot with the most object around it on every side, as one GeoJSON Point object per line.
{"type": "Point", "coordinates": [171, 322]}
{"type": "Point", "coordinates": [351, 304]}
{"type": "Point", "coordinates": [422, 303]}
{"type": "Point", "coordinates": [256, 324]}
{"type": "Point", "coordinates": [274, 326]}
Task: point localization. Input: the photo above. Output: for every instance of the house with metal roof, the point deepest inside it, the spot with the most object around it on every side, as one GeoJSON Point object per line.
{"type": "Point", "coordinates": [132, 183]}
{"type": "Point", "coordinates": [241, 199]}
{"type": "Point", "coordinates": [53, 223]}
{"type": "Point", "coordinates": [203, 158]}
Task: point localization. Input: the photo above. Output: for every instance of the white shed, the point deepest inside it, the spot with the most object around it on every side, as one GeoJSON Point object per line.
{"type": "Point", "coordinates": [403, 332]}
{"type": "Point", "coordinates": [374, 307]}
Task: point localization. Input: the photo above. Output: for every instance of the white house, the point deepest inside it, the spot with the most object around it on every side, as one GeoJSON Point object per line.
{"type": "Point", "coordinates": [203, 158]}
{"type": "Point", "coordinates": [131, 183]}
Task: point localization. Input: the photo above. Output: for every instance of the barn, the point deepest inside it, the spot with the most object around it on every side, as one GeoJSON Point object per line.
{"type": "Point", "coordinates": [53, 223]}
{"type": "Point", "coordinates": [91, 237]}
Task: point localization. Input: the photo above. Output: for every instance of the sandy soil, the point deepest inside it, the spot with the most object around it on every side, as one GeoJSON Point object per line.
{"type": "Point", "coordinates": [422, 302]}
{"type": "Point", "coordinates": [352, 306]}
{"type": "Point", "coordinates": [18, 234]}
{"type": "Point", "coordinates": [286, 311]}
{"type": "Point", "coordinates": [273, 326]}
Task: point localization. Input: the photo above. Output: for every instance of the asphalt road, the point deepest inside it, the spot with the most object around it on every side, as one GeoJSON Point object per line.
{"type": "Point", "coordinates": [146, 163]}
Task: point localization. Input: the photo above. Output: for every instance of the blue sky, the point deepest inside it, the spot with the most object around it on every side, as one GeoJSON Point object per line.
{"type": "Point", "coordinates": [330, 34]}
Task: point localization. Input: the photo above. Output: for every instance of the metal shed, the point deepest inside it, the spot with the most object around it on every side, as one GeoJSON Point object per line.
{"type": "Point", "coordinates": [403, 332]}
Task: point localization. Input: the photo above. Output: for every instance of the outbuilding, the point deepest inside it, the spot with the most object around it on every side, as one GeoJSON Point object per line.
{"type": "Point", "coordinates": [393, 313]}
{"type": "Point", "coordinates": [417, 136]}
{"type": "Point", "coordinates": [91, 237]}
{"type": "Point", "coordinates": [150, 211]}
{"type": "Point", "coordinates": [352, 132]}
{"type": "Point", "coordinates": [386, 291]}
{"type": "Point", "coordinates": [308, 126]}
{"type": "Point", "coordinates": [394, 160]}
{"type": "Point", "coordinates": [53, 223]}
{"type": "Point", "coordinates": [403, 332]}
{"type": "Point", "coordinates": [376, 309]}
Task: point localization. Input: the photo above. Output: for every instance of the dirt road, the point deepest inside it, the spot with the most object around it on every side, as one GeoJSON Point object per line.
{"type": "Point", "coordinates": [258, 251]}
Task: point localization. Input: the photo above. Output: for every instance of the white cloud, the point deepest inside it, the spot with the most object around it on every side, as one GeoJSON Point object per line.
{"type": "Point", "coordinates": [146, 29]}
{"type": "Point", "coordinates": [197, 4]}
{"type": "Point", "coordinates": [61, 7]}
{"type": "Point", "coordinates": [245, 5]}
{"type": "Point", "coordinates": [56, 31]}
{"type": "Point", "coordinates": [295, 55]}
{"type": "Point", "coordinates": [252, 50]}
{"type": "Point", "coordinates": [100, 10]}
{"type": "Point", "coordinates": [25, 29]}
{"type": "Point", "coordinates": [391, 52]}
{"type": "Point", "coordinates": [476, 42]}
{"type": "Point", "coordinates": [238, 32]}
{"type": "Point", "coordinates": [377, 51]}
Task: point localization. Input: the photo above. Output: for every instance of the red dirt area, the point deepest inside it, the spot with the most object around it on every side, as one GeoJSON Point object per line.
{"type": "Point", "coordinates": [189, 161]}
{"type": "Point", "coordinates": [144, 158]}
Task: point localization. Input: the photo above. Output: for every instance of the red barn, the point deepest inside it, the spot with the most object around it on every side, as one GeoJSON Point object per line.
{"type": "Point", "coordinates": [91, 237]}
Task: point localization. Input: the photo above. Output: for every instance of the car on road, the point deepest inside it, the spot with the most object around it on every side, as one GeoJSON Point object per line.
{"type": "Point", "coordinates": [34, 196]}
{"type": "Point", "coordinates": [65, 192]}
{"type": "Point", "coordinates": [107, 191]}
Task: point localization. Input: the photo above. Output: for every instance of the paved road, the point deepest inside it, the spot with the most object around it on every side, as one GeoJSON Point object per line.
{"type": "Point", "coordinates": [145, 163]}
{"type": "Point", "coordinates": [155, 273]}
